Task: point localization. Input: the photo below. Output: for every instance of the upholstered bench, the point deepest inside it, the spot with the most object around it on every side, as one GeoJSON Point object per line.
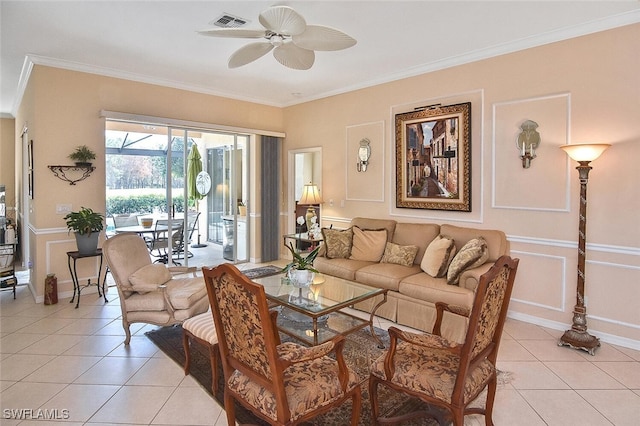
{"type": "Point", "coordinates": [202, 329]}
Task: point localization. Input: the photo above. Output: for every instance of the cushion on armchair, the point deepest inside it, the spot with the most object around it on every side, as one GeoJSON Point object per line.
{"type": "Point", "coordinates": [149, 277]}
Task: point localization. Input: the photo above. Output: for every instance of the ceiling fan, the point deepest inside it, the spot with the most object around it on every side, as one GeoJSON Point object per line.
{"type": "Point", "coordinates": [286, 32]}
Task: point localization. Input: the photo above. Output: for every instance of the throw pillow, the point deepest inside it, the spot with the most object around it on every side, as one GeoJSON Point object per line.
{"type": "Point", "coordinates": [149, 277]}
{"type": "Point", "coordinates": [368, 244]}
{"type": "Point", "coordinates": [337, 242]}
{"type": "Point", "coordinates": [471, 255]}
{"type": "Point", "coordinates": [438, 255]}
{"type": "Point", "coordinates": [401, 255]}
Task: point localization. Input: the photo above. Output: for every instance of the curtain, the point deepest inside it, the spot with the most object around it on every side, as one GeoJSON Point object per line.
{"type": "Point", "coordinates": [269, 197]}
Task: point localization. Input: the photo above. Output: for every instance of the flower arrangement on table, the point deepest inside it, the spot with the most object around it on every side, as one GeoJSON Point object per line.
{"type": "Point", "coordinates": [315, 233]}
{"type": "Point", "coordinates": [300, 221]}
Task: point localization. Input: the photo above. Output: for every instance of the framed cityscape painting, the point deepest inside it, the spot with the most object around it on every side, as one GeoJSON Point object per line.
{"type": "Point", "coordinates": [433, 158]}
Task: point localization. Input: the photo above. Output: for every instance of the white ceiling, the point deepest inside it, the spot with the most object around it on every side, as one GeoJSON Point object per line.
{"type": "Point", "coordinates": [156, 41]}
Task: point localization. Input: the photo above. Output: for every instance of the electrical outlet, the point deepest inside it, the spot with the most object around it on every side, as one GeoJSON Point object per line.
{"type": "Point", "coordinates": [63, 208]}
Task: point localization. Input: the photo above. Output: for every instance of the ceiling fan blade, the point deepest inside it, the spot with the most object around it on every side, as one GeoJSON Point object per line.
{"type": "Point", "coordinates": [318, 37]}
{"type": "Point", "coordinates": [294, 57]}
{"type": "Point", "coordinates": [233, 32]}
{"type": "Point", "coordinates": [249, 53]}
{"type": "Point", "coordinates": [282, 20]}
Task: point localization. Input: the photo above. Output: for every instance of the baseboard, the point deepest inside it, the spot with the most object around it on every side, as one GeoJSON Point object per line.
{"type": "Point", "coordinates": [555, 325]}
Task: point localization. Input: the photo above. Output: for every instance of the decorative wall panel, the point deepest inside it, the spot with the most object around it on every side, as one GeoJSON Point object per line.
{"type": "Point", "coordinates": [365, 185]}
{"type": "Point", "coordinates": [544, 185]}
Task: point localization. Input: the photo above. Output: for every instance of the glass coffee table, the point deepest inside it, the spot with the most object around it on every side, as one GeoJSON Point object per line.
{"type": "Point", "coordinates": [316, 314]}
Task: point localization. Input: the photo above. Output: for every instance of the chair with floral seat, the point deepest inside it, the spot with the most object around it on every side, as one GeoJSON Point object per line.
{"type": "Point", "coordinates": [448, 376]}
{"type": "Point", "coordinates": [281, 383]}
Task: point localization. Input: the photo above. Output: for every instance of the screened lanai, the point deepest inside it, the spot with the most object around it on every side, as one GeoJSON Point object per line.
{"type": "Point", "coordinates": [147, 168]}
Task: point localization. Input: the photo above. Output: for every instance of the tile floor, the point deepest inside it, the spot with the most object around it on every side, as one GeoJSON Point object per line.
{"type": "Point", "coordinates": [70, 364]}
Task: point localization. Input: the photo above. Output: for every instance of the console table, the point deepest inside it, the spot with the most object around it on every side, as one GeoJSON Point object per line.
{"type": "Point", "coordinates": [7, 269]}
{"type": "Point", "coordinates": [73, 257]}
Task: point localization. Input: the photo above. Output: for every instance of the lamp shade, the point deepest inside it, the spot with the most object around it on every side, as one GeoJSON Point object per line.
{"type": "Point", "coordinates": [585, 152]}
{"type": "Point", "coordinates": [310, 195]}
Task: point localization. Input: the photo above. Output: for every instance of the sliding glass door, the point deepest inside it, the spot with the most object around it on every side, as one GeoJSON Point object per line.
{"type": "Point", "coordinates": [228, 225]}
{"type": "Point", "coordinates": [147, 171]}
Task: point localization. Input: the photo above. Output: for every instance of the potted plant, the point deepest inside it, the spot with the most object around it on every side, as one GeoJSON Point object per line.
{"type": "Point", "coordinates": [87, 225]}
{"type": "Point", "coordinates": [82, 155]}
{"type": "Point", "coordinates": [300, 270]}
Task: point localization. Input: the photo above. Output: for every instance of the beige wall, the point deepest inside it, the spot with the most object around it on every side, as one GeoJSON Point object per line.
{"type": "Point", "coordinates": [581, 90]}
{"type": "Point", "coordinates": [62, 109]}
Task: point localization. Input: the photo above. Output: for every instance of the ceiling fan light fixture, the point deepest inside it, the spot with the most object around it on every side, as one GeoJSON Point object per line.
{"type": "Point", "coordinates": [276, 40]}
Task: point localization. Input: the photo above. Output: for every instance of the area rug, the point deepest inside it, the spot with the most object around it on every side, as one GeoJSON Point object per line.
{"type": "Point", "coordinates": [359, 351]}
{"type": "Point", "coordinates": [263, 271]}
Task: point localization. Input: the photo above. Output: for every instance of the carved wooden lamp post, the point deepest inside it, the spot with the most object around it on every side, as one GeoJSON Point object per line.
{"type": "Point", "coordinates": [578, 337]}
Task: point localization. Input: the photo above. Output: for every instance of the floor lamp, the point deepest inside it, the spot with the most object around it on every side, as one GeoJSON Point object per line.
{"type": "Point", "coordinates": [578, 337]}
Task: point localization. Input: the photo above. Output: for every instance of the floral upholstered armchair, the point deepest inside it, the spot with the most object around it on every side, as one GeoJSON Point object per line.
{"type": "Point", "coordinates": [446, 374]}
{"type": "Point", "coordinates": [282, 383]}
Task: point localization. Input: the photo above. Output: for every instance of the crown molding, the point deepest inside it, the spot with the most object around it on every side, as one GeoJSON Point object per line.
{"type": "Point", "coordinates": [566, 33]}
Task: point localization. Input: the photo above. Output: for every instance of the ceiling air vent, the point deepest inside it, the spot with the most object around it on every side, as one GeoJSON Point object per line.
{"type": "Point", "coordinates": [227, 20]}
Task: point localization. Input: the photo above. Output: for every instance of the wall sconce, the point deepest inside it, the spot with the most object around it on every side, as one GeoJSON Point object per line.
{"type": "Point", "coordinates": [310, 196]}
{"type": "Point", "coordinates": [527, 142]}
{"type": "Point", "coordinates": [364, 152]}
{"type": "Point", "coordinates": [578, 337]}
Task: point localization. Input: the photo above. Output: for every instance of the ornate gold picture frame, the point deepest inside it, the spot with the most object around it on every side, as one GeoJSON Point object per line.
{"type": "Point", "coordinates": [433, 158]}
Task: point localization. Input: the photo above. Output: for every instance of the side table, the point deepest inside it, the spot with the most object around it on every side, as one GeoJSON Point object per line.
{"type": "Point", "coordinates": [300, 239]}
{"type": "Point", "coordinates": [77, 288]}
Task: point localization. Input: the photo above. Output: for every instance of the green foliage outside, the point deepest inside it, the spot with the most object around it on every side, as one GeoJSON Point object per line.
{"type": "Point", "coordinates": [121, 204]}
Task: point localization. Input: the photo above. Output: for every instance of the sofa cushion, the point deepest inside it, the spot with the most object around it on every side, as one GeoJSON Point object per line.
{"type": "Point", "coordinates": [417, 234]}
{"type": "Point", "coordinates": [474, 253]}
{"type": "Point", "coordinates": [424, 287]}
{"type": "Point", "coordinates": [368, 223]}
{"type": "Point", "coordinates": [401, 255]}
{"type": "Point", "coordinates": [438, 256]}
{"type": "Point", "coordinates": [368, 245]}
{"type": "Point", "coordinates": [341, 268]}
{"type": "Point", "coordinates": [149, 277]}
{"type": "Point", "coordinates": [496, 240]}
{"type": "Point", "coordinates": [385, 275]}
{"type": "Point", "coordinates": [337, 242]}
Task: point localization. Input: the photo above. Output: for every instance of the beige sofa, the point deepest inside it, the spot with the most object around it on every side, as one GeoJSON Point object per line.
{"type": "Point", "coordinates": [412, 292]}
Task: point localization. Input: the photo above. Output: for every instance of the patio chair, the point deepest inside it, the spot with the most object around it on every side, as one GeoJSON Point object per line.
{"type": "Point", "coordinates": [159, 244]}
{"type": "Point", "coordinates": [445, 375]}
{"type": "Point", "coordinates": [283, 384]}
{"type": "Point", "coordinates": [151, 293]}
{"type": "Point", "coordinates": [192, 224]}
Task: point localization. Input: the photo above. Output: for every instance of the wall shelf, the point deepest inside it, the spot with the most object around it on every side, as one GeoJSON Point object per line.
{"type": "Point", "coordinates": [76, 173]}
